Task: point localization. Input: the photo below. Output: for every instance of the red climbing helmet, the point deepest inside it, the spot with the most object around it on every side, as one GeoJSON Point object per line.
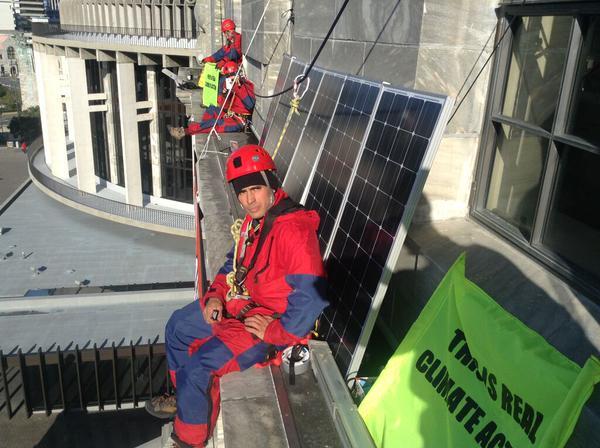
{"type": "Point", "coordinates": [248, 159]}
{"type": "Point", "coordinates": [227, 25]}
{"type": "Point", "coordinates": [229, 68]}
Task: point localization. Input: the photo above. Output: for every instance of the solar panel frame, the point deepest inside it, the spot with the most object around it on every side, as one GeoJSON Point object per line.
{"type": "Point", "coordinates": [297, 124]}
{"type": "Point", "coordinates": [342, 166]}
{"type": "Point", "coordinates": [346, 322]}
{"type": "Point", "coordinates": [279, 85]}
{"type": "Point", "coordinates": [304, 160]}
{"type": "Point", "coordinates": [401, 229]}
{"type": "Point", "coordinates": [282, 108]}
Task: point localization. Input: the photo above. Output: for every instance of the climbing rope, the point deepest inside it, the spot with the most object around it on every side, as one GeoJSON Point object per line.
{"type": "Point", "coordinates": [204, 151]}
{"type": "Point", "coordinates": [294, 103]}
{"type": "Point", "coordinates": [236, 230]}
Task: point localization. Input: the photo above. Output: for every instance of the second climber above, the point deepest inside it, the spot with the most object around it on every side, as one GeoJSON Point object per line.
{"type": "Point", "coordinates": [232, 113]}
{"type": "Point", "coordinates": [232, 47]}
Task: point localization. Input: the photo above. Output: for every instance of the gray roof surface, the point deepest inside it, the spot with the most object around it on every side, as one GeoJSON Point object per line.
{"type": "Point", "coordinates": [87, 319]}
{"type": "Point", "coordinates": [50, 245]}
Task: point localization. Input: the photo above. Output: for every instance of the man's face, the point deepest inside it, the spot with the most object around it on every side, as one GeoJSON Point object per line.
{"type": "Point", "coordinates": [229, 82]}
{"type": "Point", "coordinates": [256, 200]}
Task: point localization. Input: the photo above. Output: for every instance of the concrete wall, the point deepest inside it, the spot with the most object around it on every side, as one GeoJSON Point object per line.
{"type": "Point", "coordinates": [428, 46]}
{"type": "Point", "coordinates": [29, 94]}
{"type": "Point", "coordinates": [7, 21]}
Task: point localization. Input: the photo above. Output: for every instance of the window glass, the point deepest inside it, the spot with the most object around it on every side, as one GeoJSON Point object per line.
{"type": "Point", "coordinates": [145, 156]}
{"type": "Point", "coordinates": [100, 145]}
{"type": "Point", "coordinates": [573, 227]}
{"type": "Point", "coordinates": [519, 158]}
{"type": "Point", "coordinates": [141, 83]}
{"type": "Point", "coordinates": [586, 102]}
{"type": "Point", "coordinates": [536, 65]}
{"type": "Point", "coordinates": [94, 78]}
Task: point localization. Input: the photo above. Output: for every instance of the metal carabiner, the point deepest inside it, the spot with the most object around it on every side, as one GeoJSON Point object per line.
{"type": "Point", "coordinates": [297, 87]}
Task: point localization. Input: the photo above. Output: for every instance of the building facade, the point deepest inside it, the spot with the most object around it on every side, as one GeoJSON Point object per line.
{"type": "Point", "coordinates": [517, 160]}
{"type": "Point", "coordinates": [8, 56]}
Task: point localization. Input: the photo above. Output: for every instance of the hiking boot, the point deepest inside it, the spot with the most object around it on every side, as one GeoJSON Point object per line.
{"type": "Point", "coordinates": [177, 133]}
{"type": "Point", "coordinates": [164, 406]}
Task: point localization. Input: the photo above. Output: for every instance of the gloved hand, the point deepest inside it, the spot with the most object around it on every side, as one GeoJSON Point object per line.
{"type": "Point", "coordinates": [208, 59]}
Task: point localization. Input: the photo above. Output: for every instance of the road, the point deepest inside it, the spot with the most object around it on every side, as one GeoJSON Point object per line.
{"type": "Point", "coordinates": [13, 171]}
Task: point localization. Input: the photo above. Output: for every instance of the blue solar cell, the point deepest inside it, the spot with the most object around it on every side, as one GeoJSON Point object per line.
{"type": "Point", "coordinates": [354, 155]}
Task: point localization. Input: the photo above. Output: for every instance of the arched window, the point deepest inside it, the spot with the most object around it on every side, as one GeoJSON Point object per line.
{"type": "Point", "coordinates": [10, 53]}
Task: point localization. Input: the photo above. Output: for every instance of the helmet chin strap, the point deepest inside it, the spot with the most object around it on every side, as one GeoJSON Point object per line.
{"type": "Point", "coordinates": [272, 198]}
{"type": "Point", "coordinates": [264, 176]}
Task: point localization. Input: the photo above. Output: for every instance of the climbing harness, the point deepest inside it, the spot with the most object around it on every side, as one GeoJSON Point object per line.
{"type": "Point", "coordinates": [237, 277]}
{"type": "Point", "coordinates": [294, 103]}
{"type": "Point", "coordinates": [237, 290]}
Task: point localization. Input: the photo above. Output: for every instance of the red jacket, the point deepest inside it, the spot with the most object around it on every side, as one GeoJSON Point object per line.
{"type": "Point", "coordinates": [231, 51]}
{"type": "Point", "coordinates": [288, 278]}
{"type": "Point", "coordinates": [241, 100]}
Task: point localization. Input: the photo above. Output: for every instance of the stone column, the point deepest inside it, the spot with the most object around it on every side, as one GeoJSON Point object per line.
{"type": "Point", "coordinates": [54, 138]}
{"type": "Point", "coordinates": [111, 136]}
{"type": "Point", "coordinates": [82, 131]}
{"type": "Point", "coordinates": [167, 13]}
{"type": "Point", "coordinates": [129, 133]}
{"type": "Point", "coordinates": [151, 77]}
{"type": "Point", "coordinates": [38, 55]}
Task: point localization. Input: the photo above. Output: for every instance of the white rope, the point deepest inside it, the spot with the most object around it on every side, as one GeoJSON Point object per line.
{"type": "Point", "coordinates": [204, 151]}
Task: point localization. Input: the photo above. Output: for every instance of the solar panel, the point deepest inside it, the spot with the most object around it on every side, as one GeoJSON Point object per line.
{"type": "Point", "coordinates": [282, 108]}
{"type": "Point", "coordinates": [285, 153]}
{"type": "Point", "coordinates": [279, 85]}
{"type": "Point", "coordinates": [381, 198]}
{"type": "Point", "coordinates": [318, 121]}
{"type": "Point", "coordinates": [339, 153]}
{"type": "Point", "coordinates": [358, 154]}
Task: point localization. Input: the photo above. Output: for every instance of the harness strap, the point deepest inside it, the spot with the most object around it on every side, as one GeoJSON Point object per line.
{"type": "Point", "coordinates": [283, 207]}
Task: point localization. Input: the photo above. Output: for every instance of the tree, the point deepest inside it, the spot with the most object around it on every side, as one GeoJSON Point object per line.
{"type": "Point", "coordinates": [27, 125]}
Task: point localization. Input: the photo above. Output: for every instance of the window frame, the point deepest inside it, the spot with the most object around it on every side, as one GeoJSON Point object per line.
{"type": "Point", "coordinates": [509, 15]}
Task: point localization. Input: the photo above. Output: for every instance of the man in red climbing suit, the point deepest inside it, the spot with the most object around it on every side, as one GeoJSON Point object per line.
{"type": "Point", "coordinates": [234, 115]}
{"type": "Point", "coordinates": [232, 48]}
{"type": "Point", "coordinates": [275, 293]}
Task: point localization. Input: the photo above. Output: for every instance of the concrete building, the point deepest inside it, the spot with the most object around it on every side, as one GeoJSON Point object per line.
{"type": "Point", "coordinates": [7, 22]}
{"type": "Point", "coordinates": [513, 179]}
{"type": "Point", "coordinates": [29, 8]}
{"type": "Point", "coordinates": [8, 56]}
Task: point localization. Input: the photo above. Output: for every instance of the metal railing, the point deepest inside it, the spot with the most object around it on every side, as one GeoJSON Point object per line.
{"type": "Point", "coordinates": [82, 379]}
{"type": "Point", "coordinates": [45, 29]}
{"type": "Point", "coordinates": [133, 212]}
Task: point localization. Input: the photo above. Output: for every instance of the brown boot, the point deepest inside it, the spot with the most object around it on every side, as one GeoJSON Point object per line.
{"type": "Point", "coordinates": [164, 406]}
{"type": "Point", "coordinates": [177, 133]}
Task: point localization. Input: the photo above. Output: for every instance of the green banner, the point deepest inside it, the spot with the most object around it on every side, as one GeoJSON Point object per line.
{"type": "Point", "coordinates": [210, 91]}
{"type": "Point", "coordinates": [469, 374]}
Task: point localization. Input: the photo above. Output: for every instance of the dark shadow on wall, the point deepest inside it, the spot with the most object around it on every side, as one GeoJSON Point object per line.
{"type": "Point", "coordinates": [428, 254]}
